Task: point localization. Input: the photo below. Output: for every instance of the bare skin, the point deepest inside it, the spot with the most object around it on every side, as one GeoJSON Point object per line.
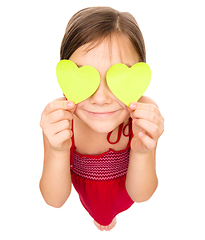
{"type": "Point", "coordinates": [106, 228]}
{"type": "Point", "coordinates": [92, 120]}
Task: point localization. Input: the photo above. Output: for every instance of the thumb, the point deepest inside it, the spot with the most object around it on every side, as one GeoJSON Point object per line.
{"type": "Point", "coordinates": [71, 106]}
{"type": "Point", "coordinates": [131, 108]}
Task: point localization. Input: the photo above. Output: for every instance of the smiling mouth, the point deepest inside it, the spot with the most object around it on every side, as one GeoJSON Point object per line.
{"type": "Point", "coordinates": [102, 114]}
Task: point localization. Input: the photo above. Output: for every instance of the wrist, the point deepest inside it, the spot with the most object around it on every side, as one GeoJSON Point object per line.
{"type": "Point", "coordinates": [141, 155]}
{"type": "Point", "coordinates": [58, 152]}
{"type": "Point", "coordinates": [64, 148]}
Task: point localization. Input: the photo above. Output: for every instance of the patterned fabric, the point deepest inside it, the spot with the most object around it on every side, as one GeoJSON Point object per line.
{"type": "Point", "coordinates": [100, 181]}
{"type": "Point", "coordinates": [107, 166]}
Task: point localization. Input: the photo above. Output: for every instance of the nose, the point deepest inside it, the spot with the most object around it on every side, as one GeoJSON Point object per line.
{"type": "Point", "coordinates": [103, 95]}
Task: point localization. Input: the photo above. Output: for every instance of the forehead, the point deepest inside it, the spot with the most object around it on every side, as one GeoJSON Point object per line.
{"type": "Point", "coordinates": [111, 50]}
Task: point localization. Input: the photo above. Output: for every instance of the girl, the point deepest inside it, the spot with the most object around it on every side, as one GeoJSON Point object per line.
{"type": "Point", "coordinates": [101, 146]}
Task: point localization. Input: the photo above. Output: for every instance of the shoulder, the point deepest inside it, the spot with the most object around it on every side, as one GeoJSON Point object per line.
{"type": "Point", "coordinates": [145, 99]}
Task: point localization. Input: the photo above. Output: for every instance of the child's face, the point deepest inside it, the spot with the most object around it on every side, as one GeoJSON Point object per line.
{"type": "Point", "coordinates": [103, 112]}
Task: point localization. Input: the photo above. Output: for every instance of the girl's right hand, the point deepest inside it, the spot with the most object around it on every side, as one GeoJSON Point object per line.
{"type": "Point", "coordinates": [56, 123]}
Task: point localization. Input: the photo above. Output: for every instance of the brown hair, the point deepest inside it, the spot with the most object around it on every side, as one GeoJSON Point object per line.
{"type": "Point", "coordinates": [96, 23]}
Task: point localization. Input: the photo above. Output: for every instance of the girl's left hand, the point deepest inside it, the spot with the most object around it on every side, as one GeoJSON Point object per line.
{"type": "Point", "coordinates": [147, 126]}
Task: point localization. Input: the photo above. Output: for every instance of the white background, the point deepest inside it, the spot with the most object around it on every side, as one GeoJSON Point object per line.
{"type": "Point", "coordinates": [31, 33]}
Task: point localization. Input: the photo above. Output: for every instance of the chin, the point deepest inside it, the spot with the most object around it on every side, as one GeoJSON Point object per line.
{"type": "Point", "coordinates": [103, 127]}
{"type": "Point", "coordinates": [106, 125]}
{"type": "Point", "coordinates": [103, 124]}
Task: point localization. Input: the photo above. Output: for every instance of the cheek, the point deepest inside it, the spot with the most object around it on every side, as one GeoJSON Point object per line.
{"type": "Point", "coordinates": [119, 102]}
{"type": "Point", "coordinates": [79, 105]}
{"type": "Point", "coordinates": [126, 111]}
{"type": "Point", "coordinates": [122, 105]}
{"type": "Point", "coordinates": [127, 114]}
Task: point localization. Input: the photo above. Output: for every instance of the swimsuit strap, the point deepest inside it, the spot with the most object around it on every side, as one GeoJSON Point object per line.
{"type": "Point", "coordinates": [120, 131]}
{"type": "Point", "coordinates": [129, 124]}
{"type": "Point", "coordinates": [118, 137]}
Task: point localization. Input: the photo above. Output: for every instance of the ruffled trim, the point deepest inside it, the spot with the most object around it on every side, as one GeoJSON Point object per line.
{"type": "Point", "coordinates": [102, 154]}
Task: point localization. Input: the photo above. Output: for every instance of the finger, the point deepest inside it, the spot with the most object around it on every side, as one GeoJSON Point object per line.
{"type": "Point", "coordinates": [61, 126]}
{"type": "Point", "coordinates": [151, 129]}
{"type": "Point", "coordinates": [60, 115]}
{"type": "Point", "coordinates": [71, 106]}
{"type": "Point", "coordinates": [146, 106]}
{"type": "Point", "coordinates": [63, 136]}
{"type": "Point", "coordinates": [147, 141]}
{"type": "Point", "coordinates": [148, 115]}
{"type": "Point", "coordinates": [55, 105]}
{"type": "Point", "coordinates": [52, 129]}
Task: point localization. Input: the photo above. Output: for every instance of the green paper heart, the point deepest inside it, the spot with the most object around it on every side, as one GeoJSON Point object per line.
{"type": "Point", "coordinates": [128, 84]}
{"type": "Point", "coordinates": [76, 83]}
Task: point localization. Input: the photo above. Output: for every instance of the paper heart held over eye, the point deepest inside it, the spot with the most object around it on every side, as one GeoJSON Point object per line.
{"type": "Point", "coordinates": [76, 83]}
{"type": "Point", "coordinates": [127, 84]}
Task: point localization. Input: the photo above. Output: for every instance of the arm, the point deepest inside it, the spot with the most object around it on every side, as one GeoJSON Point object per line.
{"type": "Point", "coordinates": [56, 122]}
{"type": "Point", "coordinates": [55, 183]}
{"type": "Point", "coordinates": [148, 125]}
{"type": "Point", "coordinates": [141, 181]}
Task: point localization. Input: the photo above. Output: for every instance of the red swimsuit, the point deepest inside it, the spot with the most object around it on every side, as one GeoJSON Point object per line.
{"type": "Point", "coordinates": [100, 181]}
